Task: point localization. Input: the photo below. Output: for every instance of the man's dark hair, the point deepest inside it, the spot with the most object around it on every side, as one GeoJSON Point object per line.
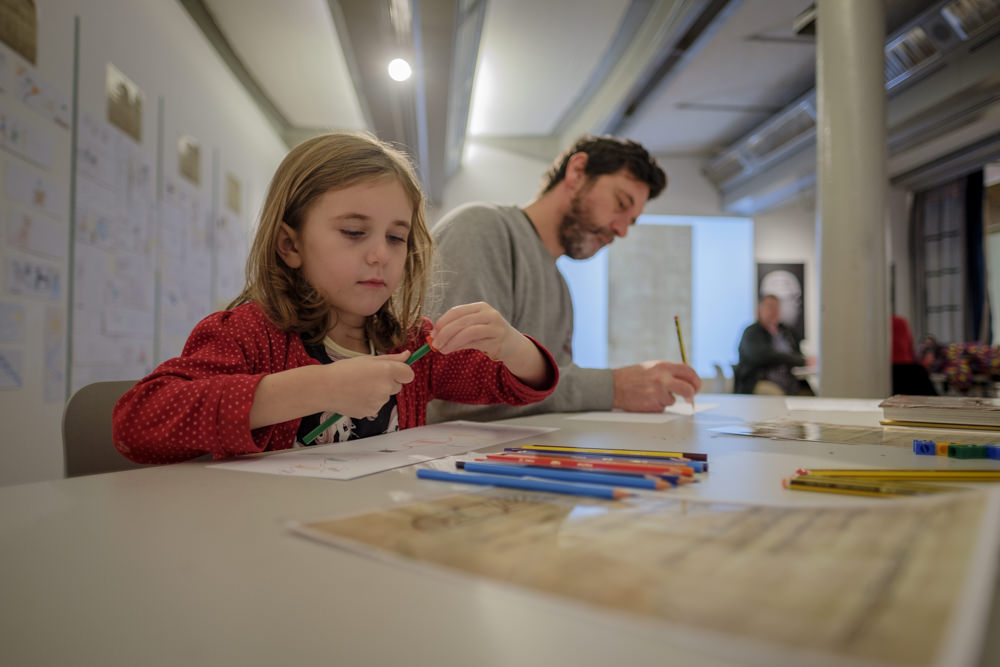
{"type": "Point", "coordinates": [607, 155]}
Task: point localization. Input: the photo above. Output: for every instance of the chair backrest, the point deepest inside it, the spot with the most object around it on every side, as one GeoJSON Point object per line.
{"type": "Point", "coordinates": [86, 427]}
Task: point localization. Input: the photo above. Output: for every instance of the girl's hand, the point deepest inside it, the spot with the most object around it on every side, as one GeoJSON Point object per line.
{"type": "Point", "coordinates": [478, 326]}
{"type": "Point", "coordinates": [475, 326]}
{"type": "Point", "coordinates": [360, 386]}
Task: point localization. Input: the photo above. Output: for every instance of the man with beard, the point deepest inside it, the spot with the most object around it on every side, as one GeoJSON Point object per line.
{"type": "Point", "coordinates": [506, 256]}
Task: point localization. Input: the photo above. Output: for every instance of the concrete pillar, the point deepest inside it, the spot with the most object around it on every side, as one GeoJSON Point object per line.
{"type": "Point", "coordinates": [851, 184]}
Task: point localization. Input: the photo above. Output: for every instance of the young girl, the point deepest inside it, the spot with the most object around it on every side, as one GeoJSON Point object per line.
{"type": "Point", "coordinates": [328, 317]}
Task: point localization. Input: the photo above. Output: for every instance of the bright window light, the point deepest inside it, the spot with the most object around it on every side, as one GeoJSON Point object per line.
{"type": "Point", "coordinates": [399, 69]}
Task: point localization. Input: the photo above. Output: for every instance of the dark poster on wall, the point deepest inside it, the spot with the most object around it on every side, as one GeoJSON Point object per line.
{"type": "Point", "coordinates": [787, 282]}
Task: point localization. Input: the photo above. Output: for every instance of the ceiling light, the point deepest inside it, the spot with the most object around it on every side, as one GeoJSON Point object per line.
{"type": "Point", "coordinates": [399, 69]}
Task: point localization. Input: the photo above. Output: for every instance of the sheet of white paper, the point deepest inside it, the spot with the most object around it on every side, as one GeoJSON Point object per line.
{"type": "Point", "coordinates": [810, 404]}
{"type": "Point", "coordinates": [669, 414]}
{"type": "Point", "coordinates": [357, 458]}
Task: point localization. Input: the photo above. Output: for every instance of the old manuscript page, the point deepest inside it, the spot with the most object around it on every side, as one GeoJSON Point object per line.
{"type": "Point", "coordinates": [886, 582]}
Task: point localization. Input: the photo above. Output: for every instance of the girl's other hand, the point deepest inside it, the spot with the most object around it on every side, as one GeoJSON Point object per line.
{"type": "Point", "coordinates": [476, 326]}
{"type": "Point", "coordinates": [360, 386]}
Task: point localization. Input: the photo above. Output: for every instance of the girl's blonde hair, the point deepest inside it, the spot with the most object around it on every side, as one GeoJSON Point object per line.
{"type": "Point", "coordinates": [314, 167]}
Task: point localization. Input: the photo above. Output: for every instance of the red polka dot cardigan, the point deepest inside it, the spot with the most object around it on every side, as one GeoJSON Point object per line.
{"type": "Point", "coordinates": [200, 402]}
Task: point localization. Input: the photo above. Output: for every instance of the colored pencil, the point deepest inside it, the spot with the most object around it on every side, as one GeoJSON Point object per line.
{"type": "Point", "coordinates": [592, 490]}
{"type": "Point", "coordinates": [334, 418]}
{"type": "Point", "coordinates": [634, 453]}
{"type": "Point", "coordinates": [557, 462]}
{"type": "Point", "coordinates": [680, 342]}
{"type": "Point", "coordinates": [862, 487]}
{"type": "Point", "coordinates": [569, 475]}
{"type": "Point", "coordinates": [962, 475]}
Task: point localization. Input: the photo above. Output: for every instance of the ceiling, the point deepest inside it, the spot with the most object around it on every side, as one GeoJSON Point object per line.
{"type": "Point", "coordinates": [683, 77]}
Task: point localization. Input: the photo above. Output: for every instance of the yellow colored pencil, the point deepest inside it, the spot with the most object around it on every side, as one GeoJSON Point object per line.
{"type": "Point", "coordinates": [943, 474]}
{"type": "Point", "coordinates": [680, 342]}
{"type": "Point", "coordinates": [862, 487]}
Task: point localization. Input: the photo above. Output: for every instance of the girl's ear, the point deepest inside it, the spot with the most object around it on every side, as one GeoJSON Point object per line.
{"type": "Point", "coordinates": [288, 246]}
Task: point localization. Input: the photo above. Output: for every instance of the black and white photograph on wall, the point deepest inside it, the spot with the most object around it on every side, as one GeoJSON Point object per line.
{"type": "Point", "coordinates": [124, 103]}
{"type": "Point", "coordinates": [787, 282]}
{"type": "Point", "coordinates": [19, 28]}
{"type": "Point", "coordinates": [189, 158]}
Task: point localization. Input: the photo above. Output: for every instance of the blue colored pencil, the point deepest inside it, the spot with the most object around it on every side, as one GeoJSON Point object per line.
{"type": "Point", "coordinates": [565, 475]}
{"type": "Point", "coordinates": [592, 490]}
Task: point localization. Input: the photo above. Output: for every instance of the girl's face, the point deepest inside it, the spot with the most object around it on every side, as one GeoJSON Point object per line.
{"type": "Point", "coordinates": [352, 245]}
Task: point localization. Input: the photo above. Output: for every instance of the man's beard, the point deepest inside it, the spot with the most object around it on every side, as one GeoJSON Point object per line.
{"type": "Point", "coordinates": [579, 235]}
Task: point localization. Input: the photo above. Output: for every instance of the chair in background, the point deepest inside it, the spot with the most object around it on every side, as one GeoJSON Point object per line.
{"type": "Point", "coordinates": [86, 427]}
{"type": "Point", "coordinates": [722, 384]}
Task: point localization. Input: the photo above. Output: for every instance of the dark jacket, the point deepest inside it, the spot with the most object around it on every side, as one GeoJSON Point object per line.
{"type": "Point", "coordinates": [758, 356]}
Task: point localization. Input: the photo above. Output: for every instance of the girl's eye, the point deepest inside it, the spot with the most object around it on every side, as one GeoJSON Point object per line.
{"type": "Point", "coordinates": [352, 233]}
{"type": "Point", "coordinates": [397, 239]}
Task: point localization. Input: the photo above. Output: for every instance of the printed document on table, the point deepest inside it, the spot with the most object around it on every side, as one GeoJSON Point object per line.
{"type": "Point", "coordinates": [357, 458]}
{"type": "Point", "coordinates": [669, 414]}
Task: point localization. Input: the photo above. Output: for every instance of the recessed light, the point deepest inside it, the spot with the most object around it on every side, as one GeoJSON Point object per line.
{"type": "Point", "coordinates": [399, 69]}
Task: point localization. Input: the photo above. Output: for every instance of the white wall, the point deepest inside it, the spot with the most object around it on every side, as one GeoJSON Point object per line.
{"type": "Point", "coordinates": [160, 49]}
{"type": "Point", "coordinates": [490, 174]}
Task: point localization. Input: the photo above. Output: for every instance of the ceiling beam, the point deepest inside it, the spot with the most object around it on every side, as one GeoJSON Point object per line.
{"type": "Point", "coordinates": [203, 18]}
{"type": "Point", "coordinates": [426, 115]}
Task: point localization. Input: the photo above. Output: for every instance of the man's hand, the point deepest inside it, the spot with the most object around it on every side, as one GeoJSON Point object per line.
{"type": "Point", "coordinates": [653, 385]}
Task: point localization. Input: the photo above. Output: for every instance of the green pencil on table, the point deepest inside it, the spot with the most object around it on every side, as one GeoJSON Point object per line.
{"type": "Point", "coordinates": [332, 419]}
{"type": "Point", "coordinates": [680, 342]}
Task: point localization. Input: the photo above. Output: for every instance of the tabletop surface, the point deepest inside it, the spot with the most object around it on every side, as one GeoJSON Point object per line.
{"type": "Point", "coordinates": [186, 564]}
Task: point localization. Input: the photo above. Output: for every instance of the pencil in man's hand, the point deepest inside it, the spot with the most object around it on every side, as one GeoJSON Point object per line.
{"type": "Point", "coordinates": [680, 342]}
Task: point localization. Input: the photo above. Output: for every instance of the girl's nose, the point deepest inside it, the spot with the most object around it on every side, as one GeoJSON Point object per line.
{"type": "Point", "coordinates": [378, 251]}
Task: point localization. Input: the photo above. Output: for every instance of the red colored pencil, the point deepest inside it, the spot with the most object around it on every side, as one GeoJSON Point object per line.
{"type": "Point", "coordinates": [562, 462]}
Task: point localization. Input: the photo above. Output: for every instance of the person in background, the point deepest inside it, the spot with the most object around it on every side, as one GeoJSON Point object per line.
{"type": "Point", "coordinates": [902, 341]}
{"type": "Point", "coordinates": [329, 315]}
{"type": "Point", "coordinates": [506, 256]}
{"type": "Point", "coordinates": [768, 352]}
{"type": "Point", "coordinates": [908, 376]}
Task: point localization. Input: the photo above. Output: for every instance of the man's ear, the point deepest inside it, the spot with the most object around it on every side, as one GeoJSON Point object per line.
{"type": "Point", "coordinates": [288, 246]}
{"type": "Point", "coordinates": [576, 173]}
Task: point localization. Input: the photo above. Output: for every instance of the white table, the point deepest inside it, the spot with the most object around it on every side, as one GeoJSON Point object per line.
{"type": "Point", "coordinates": [185, 565]}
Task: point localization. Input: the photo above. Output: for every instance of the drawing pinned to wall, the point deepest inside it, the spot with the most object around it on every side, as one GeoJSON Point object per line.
{"type": "Point", "coordinates": [93, 153]}
{"type": "Point", "coordinates": [27, 185]}
{"type": "Point", "coordinates": [234, 194]}
{"type": "Point", "coordinates": [185, 294]}
{"type": "Point", "coordinates": [35, 233]}
{"type": "Point", "coordinates": [125, 101]}
{"type": "Point", "coordinates": [189, 158]}
{"type": "Point", "coordinates": [19, 27]}
{"type": "Point", "coordinates": [19, 137]}
{"type": "Point", "coordinates": [41, 96]}
{"type": "Point", "coordinates": [787, 282]}
{"type": "Point", "coordinates": [31, 277]}
{"type": "Point", "coordinates": [114, 263]}
{"type": "Point", "coordinates": [10, 369]}
{"type": "Point", "coordinates": [231, 244]}
{"type": "Point", "coordinates": [12, 318]}
{"type": "Point", "coordinates": [55, 354]}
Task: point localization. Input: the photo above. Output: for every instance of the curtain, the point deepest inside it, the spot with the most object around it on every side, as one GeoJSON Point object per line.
{"type": "Point", "coordinates": [948, 261]}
